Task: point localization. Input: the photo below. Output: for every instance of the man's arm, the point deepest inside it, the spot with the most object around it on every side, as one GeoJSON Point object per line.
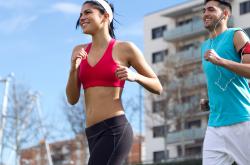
{"type": "Point", "coordinates": [242, 69]}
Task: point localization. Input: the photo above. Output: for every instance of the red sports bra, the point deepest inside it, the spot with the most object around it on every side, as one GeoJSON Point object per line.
{"type": "Point", "coordinates": [102, 73]}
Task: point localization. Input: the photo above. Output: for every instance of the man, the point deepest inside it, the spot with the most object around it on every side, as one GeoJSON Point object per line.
{"type": "Point", "coordinates": [226, 63]}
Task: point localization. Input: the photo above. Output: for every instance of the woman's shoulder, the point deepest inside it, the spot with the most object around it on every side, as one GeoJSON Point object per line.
{"type": "Point", "coordinates": [80, 46]}
{"type": "Point", "coordinates": [125, 45]}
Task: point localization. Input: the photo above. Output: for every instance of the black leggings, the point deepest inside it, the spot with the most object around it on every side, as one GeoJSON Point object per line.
{"type": "Point", "coordinates": [109, 141]}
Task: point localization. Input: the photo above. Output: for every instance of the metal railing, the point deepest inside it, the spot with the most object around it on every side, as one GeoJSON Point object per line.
{"type": "Point", "coordinates": [196, 27]}
{"type": "Point", "coordinates": [194, 80]}
{"type": "Point", "coordinates": [186, 83]}
{"type": "Point", "coordinates": [187, 30]}
{"type": "Point", "coordinates": [186, 135]}
{"type": "Point", "coordinates": [184, 57]}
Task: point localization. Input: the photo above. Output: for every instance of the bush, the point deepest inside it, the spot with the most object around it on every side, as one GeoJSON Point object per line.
{"type": "Point", "coordinates": [186, 162]}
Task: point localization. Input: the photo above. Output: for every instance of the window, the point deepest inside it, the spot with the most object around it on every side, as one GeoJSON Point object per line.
{"type": "Point", "coordinates": [159, 56]}
{"type": "Point", "coordinates": [193, 124]}
{"type": "Point", "coordinates": [58, 158]}
{"type": "Point", "coordinates": [247, 31]}
{"type": "Point", "coordinates": [193, 151]}
{"type": "Point", "coordinates": [158, 131]}
{"type": "Point", "coordinates": [179, 150]}
{"type": "Point", "coordinates": [186, 47]}
{"type": "Point", "coordinates": [244, 7]}
{"type": "Point", "coordinates": [158, 106]}
{"type": "Point", "coordinates": [159, 156]}
{"type": "Point", "coordinates": [184, 22]}
{"type": "Point", "coordinates": [158, 32]}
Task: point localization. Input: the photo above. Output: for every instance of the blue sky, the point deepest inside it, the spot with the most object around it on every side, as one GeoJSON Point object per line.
{"type": "Point", "coordinates": [37, 37]}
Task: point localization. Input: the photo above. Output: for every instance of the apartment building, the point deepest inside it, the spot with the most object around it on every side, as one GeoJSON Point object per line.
{"type": "Point", "coordinates": [66, 152]}
{"type": "Point", "coordinates": [73, 152]}
{"type": "Point", "coordinates": [174, 123]}
{"type": "Point", "coordinates": [137, 150]}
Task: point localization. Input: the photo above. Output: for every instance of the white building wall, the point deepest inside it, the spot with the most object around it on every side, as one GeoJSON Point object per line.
{"type": "Point", "coordinates": [158, 19]}
{"type": "Point", "coordinates": [240, 20]}
{"type": "Point", "coordinates": [153, 45]}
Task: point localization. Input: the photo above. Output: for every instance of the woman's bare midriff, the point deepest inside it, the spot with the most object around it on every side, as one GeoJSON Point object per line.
{"type": "Point", "coordinates": [102, 103]}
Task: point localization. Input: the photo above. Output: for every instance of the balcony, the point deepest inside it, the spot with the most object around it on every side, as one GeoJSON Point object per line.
{"type": "Point", "coordinates": [184, 108]}
{"type": "Point", "coordinates": [186, 57]}
{"type": "Point", "coordinates": [186, 31]}
{"type": "Point", "coordinates": [195, 80]}
{"type": "Point", "coordinates": [186, 135]}
{"type": "Point", "coordinates": [187, 83]}
{"type": "Point", "coordinates": [192, 29]}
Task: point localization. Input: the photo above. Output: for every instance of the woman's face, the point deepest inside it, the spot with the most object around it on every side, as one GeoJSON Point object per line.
{"type": "Point", "coordinates": [91, 19]}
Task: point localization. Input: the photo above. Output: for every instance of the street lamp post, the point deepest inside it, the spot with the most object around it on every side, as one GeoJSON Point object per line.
{"type": "Point", "coordinates": [36, 99]}
{"type": "Point", "coordinates": [140, 122]}
{"type": "Point", "coordinates": [6, 81]}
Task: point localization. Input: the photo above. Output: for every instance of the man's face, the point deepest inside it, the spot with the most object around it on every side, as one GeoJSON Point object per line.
{"type": "Point", "coordinates": [212, 15]}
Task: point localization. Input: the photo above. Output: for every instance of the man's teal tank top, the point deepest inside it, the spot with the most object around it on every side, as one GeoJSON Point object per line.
{"type": "Point", "coordinates": [228, 93]}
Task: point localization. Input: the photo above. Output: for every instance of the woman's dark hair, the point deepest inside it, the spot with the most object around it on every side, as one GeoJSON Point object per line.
{"type": "Point", "coordinates": [98, 6]}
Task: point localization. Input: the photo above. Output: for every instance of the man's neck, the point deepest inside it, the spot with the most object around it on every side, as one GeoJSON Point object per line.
{"type": "Point", "coordinates": [217, 31]}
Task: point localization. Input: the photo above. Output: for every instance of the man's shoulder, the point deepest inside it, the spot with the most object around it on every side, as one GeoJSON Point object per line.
{"type": "Point", "coordinates": [234, 29]}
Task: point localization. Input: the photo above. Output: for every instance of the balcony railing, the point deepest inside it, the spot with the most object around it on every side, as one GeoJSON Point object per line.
{"type": "Point", "coordinates": [185, 107]}
{"type": "Point", "coordinates": [195, 80]}
{"type": "Point", "coordinates": [187, 83]}
{"type": "Point", "coordinates": [196, 27]}
{"type": "Point", "coordinates": [185, 158]}
{"type": "Point", "coordinates": [182, 32]}
{"type": "Point", "coordinates": [186, 135]}
{"type": "Point", "coordinates": [184, 57]}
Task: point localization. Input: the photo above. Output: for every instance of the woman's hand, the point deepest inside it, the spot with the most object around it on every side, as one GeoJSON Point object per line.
{"type": "Point", "coordinates": [124, 73]}
{"type": "Point", "coordinates": [78, 55]}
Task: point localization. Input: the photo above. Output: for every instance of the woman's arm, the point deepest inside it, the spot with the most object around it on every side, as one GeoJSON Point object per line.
{"type": "Point", "coordinates": [73, 85]}
{"type": "Point", "coordinates": [145, 76]}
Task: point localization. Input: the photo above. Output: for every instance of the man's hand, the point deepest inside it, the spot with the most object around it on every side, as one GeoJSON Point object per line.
{"type": "Point", "coordinates": [213, 57]}
{"type": "Point", "coordinates": [204, 104]}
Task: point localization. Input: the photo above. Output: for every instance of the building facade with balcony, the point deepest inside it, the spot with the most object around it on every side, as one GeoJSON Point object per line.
{"type": "Point", "coordinates": [174, 123]}
{"type": "Point", "coordinates": [74, 152]}
{"type": "Point", "coordinates": [66, 152]}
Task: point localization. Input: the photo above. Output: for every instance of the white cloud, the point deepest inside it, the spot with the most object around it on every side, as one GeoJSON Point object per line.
{"type": "Point", "coordinates": [18, 23]}
{"type": "Point", "coordinates": [67, 8]}
{"type": "Point", "coordinates": [12, 4]}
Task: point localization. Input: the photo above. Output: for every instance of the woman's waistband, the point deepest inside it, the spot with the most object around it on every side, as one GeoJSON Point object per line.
{"type": "Point", "coordinates": [106, 124]}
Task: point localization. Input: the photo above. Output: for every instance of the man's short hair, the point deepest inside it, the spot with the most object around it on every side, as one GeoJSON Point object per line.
{"type": "Point", "coordinates": [226, 3]}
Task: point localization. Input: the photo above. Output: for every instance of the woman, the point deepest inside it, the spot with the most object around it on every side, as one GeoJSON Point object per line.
{"type": "Point", "coordinates": [101, 67]}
